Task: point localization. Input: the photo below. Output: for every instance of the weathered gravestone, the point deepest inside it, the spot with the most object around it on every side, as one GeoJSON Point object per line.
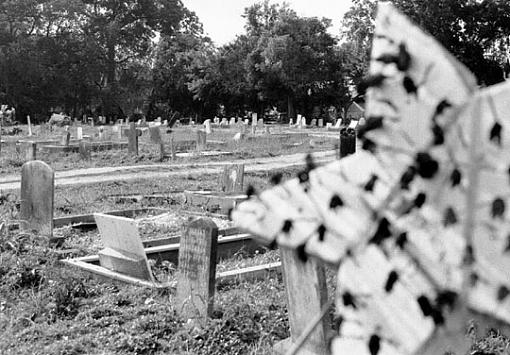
{"type": "Point", "coordinates": [66, 138]}
{"type": "Point", "coordinates": [123, 249]}
{"type": "Point", "coordinates": [79, 133]}
{"type": "Point", "coordinates": [305, 284]}
{"type": "Point", "coordinates": [313, 123]}
{"type": "Point", "coordinates": [37, 185]}
{"type": "Point", "coordinates": [207, 124]}
{"type": "Point", "coordinates": [84, 150]}
{"type": "Point", "coordinates": [232, 178]}
{"type": "Point", "coordinates": [155, 136]}
{"type": "Point", "coordinates": [321, 122]}
{"type": "Point", "coordinates": [197, 271]}
{"type": "Point", "coordinates": [133, 138]}
{"type": "Point", "coordinates": [201, 140]}
{"type": "Point", "coordinates": [30, 150]}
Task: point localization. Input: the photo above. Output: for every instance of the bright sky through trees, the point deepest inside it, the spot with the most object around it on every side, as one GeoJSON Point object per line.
{"type": "Point", "coordinates": [222, 18]}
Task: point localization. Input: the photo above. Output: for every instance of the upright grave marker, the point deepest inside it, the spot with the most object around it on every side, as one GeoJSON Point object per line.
{"type": "Point", "coordinates": [79, 133]}
{"type": "Point", "coordinates": [29, 126]}
{"type": "Point", "coordinates": [305, 284]}
{"type": "Point", "coordinates": [84, 150]}
{"type": "Point", "coordinates": [66, 138]}
{"type": "Point", "coordinates": [133, 138]}
{"type": "Point", "coordinates": [201, 140]}
{"type": "Point", "coordinates": [207, 124]}
{"type": "Point", "coordinates": [37, 185]}
{"type": "Point", "coordinates": [197, 271]}
{"type": "Point", "coordinates": [30, 151]}
{"type": "Point", "coordinates": [123, 249]}
{"type": "Point", "coordinates": [155, 135]}
{"type": "Point", "coordinates": [232, 178]}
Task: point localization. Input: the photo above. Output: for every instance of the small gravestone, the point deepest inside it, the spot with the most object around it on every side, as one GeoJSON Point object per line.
{"type": "Point", "coordinates": [232, 121]}
{"type": "Point", "coordinates": [260, 123]}
{"type": "Point", "coordinates": [84, 150]}
{"type": "Point", "coordinates": [37, 186]}
{"type": "Point", "coordinates": [197, 271]}
{"type": "Point", "coordinates": [224, 122]}
{"type": "Point", "coordinates": [201, 140]}
{"type": "Point", "coordinates": [117, 132]}
{"type": "Point", "coordinates": [79, 133]}
{"type": "Point", "coordinates": [155, 136]}
{"type": "Point", "coordinates": [313, 123]}
{"type": "Point", "coordinates": [30, 151]}
{"type": "Point", "coordinates": [232, 178]}
{"type": "Point", "coordinates": [29, 126]}
{"type": "Point", "coordinates": [123, 249]}
{"type": "Point", "coordinates": [100, 132]}
{"type": "Point", "coordinates": [321, 122]}
{"type": "Point", "coordinates": [291, 122]}
{"type": "Point", "coordinates": [65, 139]}
{"type": "Point", "coordinates": [207, 124]}
{"type": "Point", "coordinates": [133, 138]}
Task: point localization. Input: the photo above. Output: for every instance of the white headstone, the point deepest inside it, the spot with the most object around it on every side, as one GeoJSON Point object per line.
{"type": "Point", "coordinates": [254, 119]}
{"type": "Point", "coordinates": [79, 133]}
{"type": "Point", "coordinates": [29, 126]}
{"type": "Point", "coordinates": [207, 124]}
{"type": "Point", "coordinates": [232, 121]}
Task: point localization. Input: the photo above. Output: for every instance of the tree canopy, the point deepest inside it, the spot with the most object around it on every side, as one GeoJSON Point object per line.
{"type": "Point", "coordinates": [115, 58]}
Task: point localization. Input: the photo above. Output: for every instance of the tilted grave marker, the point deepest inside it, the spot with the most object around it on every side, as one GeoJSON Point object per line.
{"type": "Point", "coordinates": [29, 126]}
{"type": "Point", "coordinates": [37, 186]}
{"type": "Point", "coordinates": [123, 249]}
{"type": "Point", "coordinates": [197, 271]}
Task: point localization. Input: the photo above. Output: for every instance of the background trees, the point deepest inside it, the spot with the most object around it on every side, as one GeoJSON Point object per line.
{"type": "Point", "coordinates": [114, 58]}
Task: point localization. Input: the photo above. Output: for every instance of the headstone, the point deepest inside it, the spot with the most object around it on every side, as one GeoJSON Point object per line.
{"type": "Point", "coordinates": [155, 135]}
{"type": "Point", "coordinates": [158, 119]}
{"type": "Point", "coordinates": [304, 303]}
{"type": "Point", "coordinates": [254, 119]}
{"type": "Point", "coordinates": [84, 150]}
{"type": "Point", "coordinates": [207, 124]}
{"type": "Point", "coordinates": [123, 249]}
{"type": "Point", "coordinates": [29, 126]}
{"type": "Point", "coordinates": [133, 138]}
{"type": "Point", "coordinates": [201, 139]}
{"type": "Point", "coordinates": [260, 123]}
{"type": "Point", "coordinates": [66, 138]}
{"type": "Point", "coordinates": [224, 122]}
{"type": "Point", "coordinates": [246, 122]}
{"type": "Point", "coordinates": [37, 191]}
{"type": "Point", "coordinates": [30, 151]}
{"type": "Point", "coordinates": [321, 122]}
{"type": "Point", "coordinates": [232, 121]}
{"type": "Point", "coordinates": [100, 132]}
{"type": "Point", "coordinates": [238, 136]}
{"type": "Point", "coordinates": [291, 122]}
{"type": "Point", "coordinates": [216, 120]}
{"type": "Point", "coordinates": [117, 131]}
{"type": "Point", "coordinates": [313, 123]}
{"type": "Point", "coordinates": [165, 123]}
{"type": "Point", "coordinates": [329, 125]}
{"type": "Point", "coordinates": [79, 133]}
{"type": "Point", "coordinates": [232, 178]}
{"type": "Point", "coordinates": [338, 123]}
{"type": "Point", "coordinates": [197, 271]}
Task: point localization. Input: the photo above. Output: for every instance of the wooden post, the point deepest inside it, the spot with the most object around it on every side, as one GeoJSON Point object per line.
{"type": "Point", "coordinates": [232, 178]}
{"type": "Point", "coordinates": [305, 284]}
{"type": "Point", "coordinates": [37, 191]}
{"type": "Point", "coordinates": [197, 271]}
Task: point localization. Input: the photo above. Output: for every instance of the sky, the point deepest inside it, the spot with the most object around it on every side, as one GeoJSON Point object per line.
{"type": "Point", "coordinates": [222, 18]}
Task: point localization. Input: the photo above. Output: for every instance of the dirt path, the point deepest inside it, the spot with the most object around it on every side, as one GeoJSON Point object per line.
{"type": "Point", "coordinates": [124, 173]}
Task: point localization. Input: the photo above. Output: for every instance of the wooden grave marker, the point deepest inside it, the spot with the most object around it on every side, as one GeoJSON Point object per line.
{"type": "Point", "coordinates": [305, 285]}
{"type": "Point", "coordinates": [197, 271]}
{"type": "Point", "coordinates": [232, 178]}
{"type": "Point", "coordinates": [123, 249]}
{"type": "Point", "coordinates": [37, 186]}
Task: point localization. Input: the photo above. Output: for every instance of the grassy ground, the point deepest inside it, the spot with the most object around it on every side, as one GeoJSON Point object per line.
{"type": "Point", "coordinates": [11, 160]}
{"type": "Point", "coordinates": [46, 308]}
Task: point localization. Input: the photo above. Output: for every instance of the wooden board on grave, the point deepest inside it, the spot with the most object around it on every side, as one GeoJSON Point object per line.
{"type": "Point", "coordinates": [197, 270]}
{"type": "Point", "coordinates": [37, 185]}
{"type": "Point", "coordinates": [232, 178]}
{"type": "Point", "coordinates": [304, 303]}
{"type": "Point", "coordinates": [123, 249]}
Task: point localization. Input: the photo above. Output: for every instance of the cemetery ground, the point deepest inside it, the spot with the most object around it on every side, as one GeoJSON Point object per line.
{"type": "Point", "coordinates": [47, 307]}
